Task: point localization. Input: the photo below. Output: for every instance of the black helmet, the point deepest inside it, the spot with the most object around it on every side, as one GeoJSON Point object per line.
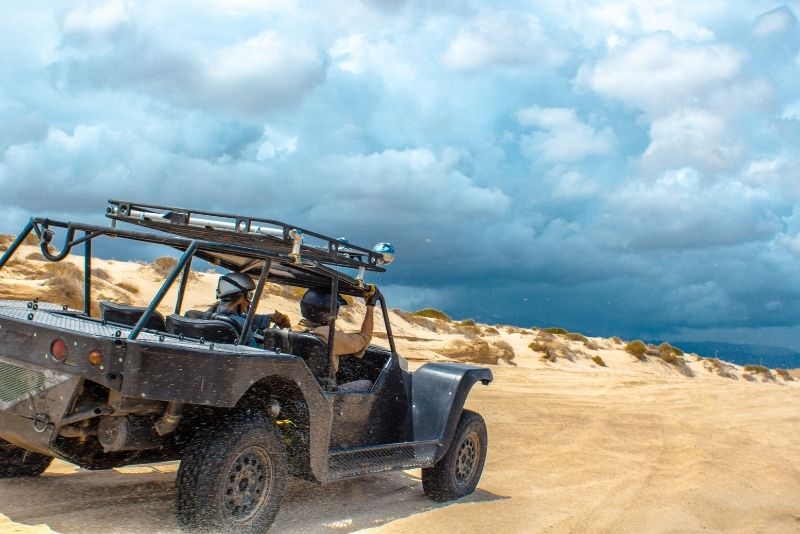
{"type": "Point", "coordinates": [316, 304]}
{"type": "Point", "coordinates": [232, 285]}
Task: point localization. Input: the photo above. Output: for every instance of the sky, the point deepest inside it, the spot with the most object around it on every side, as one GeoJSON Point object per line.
{"type": "Point", "coordinates": [616, 168]}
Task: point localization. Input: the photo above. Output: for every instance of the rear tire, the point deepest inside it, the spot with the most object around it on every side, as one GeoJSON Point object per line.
{"type": "Point", "coordinates": [16, 462]}
{"type": "Point", "coordinates": [458, 472]}
{"type": "Point", "coordinates": [232, 478]}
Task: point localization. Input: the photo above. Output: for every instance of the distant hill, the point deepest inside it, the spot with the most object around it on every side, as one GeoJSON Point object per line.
{"type": "Point", "coordinates": [774, 357]}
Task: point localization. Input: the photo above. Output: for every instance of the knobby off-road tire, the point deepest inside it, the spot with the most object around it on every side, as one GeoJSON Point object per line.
{"type": "Point", "coordinates": [458, 472]}
{"type": "Point", "coordinates": [17, 462]}
{"type": "Point", "coordinates": [232, 478]}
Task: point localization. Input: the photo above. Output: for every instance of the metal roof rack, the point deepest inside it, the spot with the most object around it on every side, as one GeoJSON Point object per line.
{"type": "Point", "coordinates": [255, 233]}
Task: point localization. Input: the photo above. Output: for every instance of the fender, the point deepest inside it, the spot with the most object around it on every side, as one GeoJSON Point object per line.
{"type": "Point", "coordinates": [438, 393]}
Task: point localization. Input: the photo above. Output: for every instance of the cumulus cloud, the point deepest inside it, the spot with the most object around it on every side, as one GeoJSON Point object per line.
{"type": "Point", "coordinates": [634, 18]}
{"type": "Point", "coordinates": [692, 138]}
{"type": "Point", "coordinates": [411, 184]}
{"type": "Point", "coordinates": [561, 136]}
{"type": "Point", "coordinates": [680, 211]}
{"type": "Point", "coordinates": [263, 72]}
{"type": "Point", "coordinates": [657, 73]}
{"type": "Point", "coordinates": [275, 144]}
{"type": "Point", "coordinates": [91, 25]}
{"type": "Point", "coordinates": [503, 38]}
{"type": "Point", "coordinates": [777, 21]}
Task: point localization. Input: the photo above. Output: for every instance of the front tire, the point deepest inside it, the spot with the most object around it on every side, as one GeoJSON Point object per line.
{"type": "Point", "coordinates": [232, 478]}
{"type": "Point", "coordinates": [16, 462]}
{"type": "Point", "coordinates": [458, 472]}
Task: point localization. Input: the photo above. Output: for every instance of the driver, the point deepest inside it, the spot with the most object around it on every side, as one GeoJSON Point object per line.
{"type": "Point", "coordinates": [315, 309]}
{"type": "Point", "coordinates": [234, 293]}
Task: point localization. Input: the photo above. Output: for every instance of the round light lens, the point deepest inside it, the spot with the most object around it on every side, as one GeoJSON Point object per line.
{"type": "Point", "coordinates": [58, 349]}
{"type": "Point", "coordinates": [95, 357]}
{"type": "Point", "coordinates": [386, 250]}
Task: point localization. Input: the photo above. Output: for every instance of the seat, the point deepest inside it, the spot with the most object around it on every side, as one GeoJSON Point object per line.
{"type": "Point", "coordinates": [112, 312]}
{"type": "Point", "coordinates": [315, 352]}
{"type": "Point", "coordinates": [197, 314]}
{"type": "Point", "coordinates": [217, 330]}
{"type": "Point", "coordinates": [277, 340]}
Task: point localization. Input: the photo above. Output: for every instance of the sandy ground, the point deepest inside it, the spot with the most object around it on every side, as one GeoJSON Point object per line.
{"type": "Point", "coordinates": [570, 451]}
{"type": "Point", "coordinates": [574, 446]}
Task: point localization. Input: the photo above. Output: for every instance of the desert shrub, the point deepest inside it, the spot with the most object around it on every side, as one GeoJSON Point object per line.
{"type": "Point", "coordinates": [35, 256]}
{"type": "Point", "coordinates": [22, 267]}
{"type": "Point", "coordinates": [537, 346]}
{"type": "Point", "coordinates": [638, 349]}
{"type": "Point", "coordinates": [466, 322]}
{"type": "Point", "coordinates": [63, 269]}
{"type": "Point", "coordinates": [670, 358]}
{"type": "Point", "coordinates": [667, 348]}
{"type": "Point", "coordinates": [419, 321]}
{"type": "Point", "coordinates": [749, 377]}
{"type": "Point", "coordinates": [30, 239]}
{"type": "Point", "coordinates": [783, 373]}
{"type": "Point", "coordinates": [64, 284]}
{"type": "Point", "coordinates": [589, 344]}
{"type": "Point", "coordinates": [617, 340]}
{"type": "Point", "coordinates": [764, 372]}
{"type": "Point", "coordinates": [475, 351]}
{"type": "Point", "coordinates": [554, 330]}
{"type": "Point", "coordinates": [598, 360]}
{"type": "Point", "coordinates": [491, 331]}
{"type": "Point", "coordinates": [432, 313]}
{"type": "Point", "coordinates": [164, 265]}
{"type": "Point", "coordinates": [102, 274]}
{"type": "Point", "coordinates": [504, 351]}
{"type": "Point", "coordinates": [514, 330]}
{"type": "Point", "coordinates": [721, 368]}
{"type": "Point", "coordinates": [555, 349]}
{"type": "Point", "coordinates": [130, 288]}
{"type": "Point", "coordinates": [5, 241]}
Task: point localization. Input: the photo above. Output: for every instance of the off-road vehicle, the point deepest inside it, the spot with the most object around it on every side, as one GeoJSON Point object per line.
{"type": "Point", "coordinates": [131, 386]}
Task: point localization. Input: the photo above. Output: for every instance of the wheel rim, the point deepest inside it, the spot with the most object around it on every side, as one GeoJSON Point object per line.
{"type": "Point", "coordinates": [248, 484]}
{"type": "Point", "coordinates": [469, 452]}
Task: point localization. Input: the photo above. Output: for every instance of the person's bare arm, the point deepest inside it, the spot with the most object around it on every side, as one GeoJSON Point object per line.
{"type": "Point", "coordinates": [368, 325]}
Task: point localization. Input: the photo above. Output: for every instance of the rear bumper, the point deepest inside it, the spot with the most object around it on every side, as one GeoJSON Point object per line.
{"type": "Point", "coordinates": [32, 403]}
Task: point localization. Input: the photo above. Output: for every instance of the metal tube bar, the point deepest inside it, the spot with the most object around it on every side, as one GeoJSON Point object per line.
{"type": "Point", "coordinates": [87, 236]}
{"type": "Point", "coordinates": [334, 307]}
{"type": "Point", "coordinates": [182, 286]}
{"type": "Point", "coordinates": [388, 324]}
{"type": "Point", "coordinates": [12, 248]}
{"type": "Point", "coordinates": [87, 277]}
{"type": "Point", "coordinates": [251, 310]}
{"type": "Point", "coordinates": [163, 290]}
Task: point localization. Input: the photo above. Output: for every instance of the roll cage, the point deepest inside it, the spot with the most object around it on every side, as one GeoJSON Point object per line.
{"type": "Point", "coordinates": [277, 251]}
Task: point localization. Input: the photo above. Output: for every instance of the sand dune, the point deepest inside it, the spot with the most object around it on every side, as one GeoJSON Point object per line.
{"type": "Point", "coordinates": [575, 446]}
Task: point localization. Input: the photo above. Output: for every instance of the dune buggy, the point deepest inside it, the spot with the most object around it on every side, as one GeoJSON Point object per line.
{"type": "Point", "coordinates": [134, 386]}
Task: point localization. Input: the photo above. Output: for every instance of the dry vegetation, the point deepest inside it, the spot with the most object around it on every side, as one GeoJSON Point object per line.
{"type": "Point", "coordinates": [783, 373]}
{"type": "Point", "coordinates": [598, 360]}
{"type": "Point", "coordinates": [638, 349]}
{"type": "Point", "coordinates": [480, 351]}
{"type": "Point", "coordinates": [721, 368]}
{"type": "Point", "coordinates": [432, 313]}
{"type": "Point", "coordinates": [164, 265]}
{"type": "Point", "coordinates": [554, 347]}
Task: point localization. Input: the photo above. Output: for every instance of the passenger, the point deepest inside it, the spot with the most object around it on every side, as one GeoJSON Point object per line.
{"type": "Point", "coordinates": [315, 308]}
{"type": "Point", "coordinates": [234, 293]}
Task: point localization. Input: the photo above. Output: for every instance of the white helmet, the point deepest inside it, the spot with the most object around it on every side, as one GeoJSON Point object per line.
{"type": "Point", "coordinates": [232, 285]}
